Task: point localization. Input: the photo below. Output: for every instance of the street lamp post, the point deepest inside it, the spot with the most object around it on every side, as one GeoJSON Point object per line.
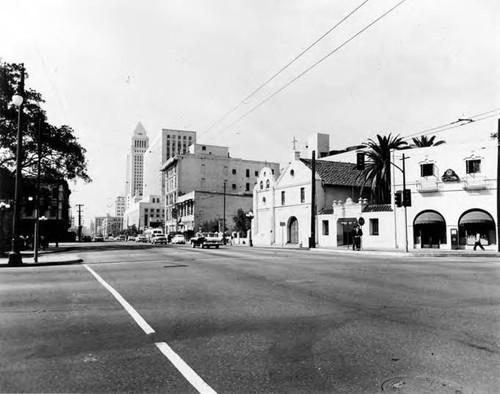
{"type": "Point", "coordinates": [250, 216]}
{"type": "Point", "coordinates": [15, 254]}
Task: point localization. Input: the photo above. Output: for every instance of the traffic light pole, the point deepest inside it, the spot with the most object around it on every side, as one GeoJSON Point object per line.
{"type": "Point", "coordinates": [406, 213]}
{"type": "Point", "coordinates": [404, 199]}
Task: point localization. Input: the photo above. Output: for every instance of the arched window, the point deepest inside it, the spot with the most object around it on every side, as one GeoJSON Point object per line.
{"type": "Point", "coordinates": [268, 183]}
{"type": "Point", "coordinates": [261, 185]}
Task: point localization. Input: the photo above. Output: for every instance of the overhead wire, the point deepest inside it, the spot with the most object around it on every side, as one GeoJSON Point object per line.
{"type": "Point", "coordinates": [258, 89]}
{"type": "Point", "coordinates": [311, 67]}
{"type": "Point", "coordinates": [458, 123]}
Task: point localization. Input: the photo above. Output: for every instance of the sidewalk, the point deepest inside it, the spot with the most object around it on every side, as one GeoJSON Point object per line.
{"type": "Point", "coordinates": [468, 253]}
{"type": "Point", "coordinates": [414, 252]}
{"type": "Point", "coordinates": [45, 257]}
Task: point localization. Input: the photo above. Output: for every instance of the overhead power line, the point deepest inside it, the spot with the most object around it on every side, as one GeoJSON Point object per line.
{"type": "Point", "coordinates": [254, 92]}
{"type": "Point", "coordinates": [458, 123]}
{"type": "Point", "coordinates": [311, 67]}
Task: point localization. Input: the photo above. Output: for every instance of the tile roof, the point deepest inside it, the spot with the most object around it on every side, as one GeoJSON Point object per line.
{"type": "Point", "coordinates": [335, 172]}
{"type": "Point", "coordinates": [378, 208]}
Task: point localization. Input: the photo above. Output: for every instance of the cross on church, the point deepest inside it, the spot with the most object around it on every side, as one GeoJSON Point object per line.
{"type": "Point", "coordinates": [294, 141]}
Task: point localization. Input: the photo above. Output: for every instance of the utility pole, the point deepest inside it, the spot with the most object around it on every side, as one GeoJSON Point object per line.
{"type": "Point", "coordinates": [312, 238]}
{"type": "Point", "coordinates": [79, 221]}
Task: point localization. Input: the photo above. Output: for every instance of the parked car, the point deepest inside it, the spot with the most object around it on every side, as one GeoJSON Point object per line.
{"type": "Point", "coordinates": [178, 239]}
{"type": "Point", "coordinates": [141, 238]}
{"type": "Point", "coordinates": [98, 238]}
{"type": "Point", "coordinates": [86, 238]}
{"type": "Point", "coordinates": [159, 239]}
{"type": "Point", "coordinates": [131, 238]}
{"type": "Point", "coordinates": [121, 238]}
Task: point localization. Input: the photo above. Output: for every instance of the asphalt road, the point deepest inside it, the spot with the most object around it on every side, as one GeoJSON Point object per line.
{"type": "Point", "coordinates": [250, 320]}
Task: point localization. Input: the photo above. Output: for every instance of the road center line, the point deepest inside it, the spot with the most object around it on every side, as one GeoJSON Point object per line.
{"type": "Point", "coordinates": [191, 376]}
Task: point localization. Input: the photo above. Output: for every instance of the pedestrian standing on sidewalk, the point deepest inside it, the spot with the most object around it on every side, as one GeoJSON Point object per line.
{"type": "Point", "coordinates": [353, 237]}
{"type": "Point", "coordinates": [478, 241]}
{"type": "Point", "coordinates": [359, 233]}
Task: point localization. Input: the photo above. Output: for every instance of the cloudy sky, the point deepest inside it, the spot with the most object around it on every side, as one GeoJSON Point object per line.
{"type": "Point", "coordinates": [102, 66]}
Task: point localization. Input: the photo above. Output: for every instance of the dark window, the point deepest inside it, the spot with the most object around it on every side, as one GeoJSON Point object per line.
{"type": "Point", "coordinates": [302, 194]}
{"type": "Point", "coordinates": [282, 198]}
{"type": "Point", "coordinates": [247, 187]}
{"type": "Point", "coordinates": [234, 171]}
{"type": "Point", "coordinates": [473, 166]}
{"type": "Point", "coordinates": [234, 186]}
{"type": "Point", "coordinates": [256, 173]}
{"type": "Point", "coordinates": [426, 170]}
{"type": "Point", "coordinates": [373, 226]}
{"type": "Point", "coordinates": [248, 173]}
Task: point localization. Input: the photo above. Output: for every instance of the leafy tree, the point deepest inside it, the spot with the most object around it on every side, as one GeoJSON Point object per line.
{"type": "Point", "coordinates": [61, 155]}
{"type": "Point", "coordinates": [377, 171]}
{"type": "Point", "coordinates": [210, 226]}
{"type": "Point", "coordinates": [423, 141]}
{"type": "Point", "coordinates": [241, 222]}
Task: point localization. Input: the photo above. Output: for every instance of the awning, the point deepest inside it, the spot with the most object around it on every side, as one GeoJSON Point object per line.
{"type": "Point", "coordinates": [476, 217]}
{"type": "Point", "coordinates": [429, 218]}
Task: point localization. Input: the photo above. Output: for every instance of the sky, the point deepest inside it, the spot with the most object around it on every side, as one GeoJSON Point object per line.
{"type": "Point", "coordinates": [104, 66]}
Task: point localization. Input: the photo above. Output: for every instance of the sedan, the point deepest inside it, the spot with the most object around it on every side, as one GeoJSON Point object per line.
{"type": "Point", "coordinates": [178, 239]}
{"type": "Point", "coordinates": [141, 238]}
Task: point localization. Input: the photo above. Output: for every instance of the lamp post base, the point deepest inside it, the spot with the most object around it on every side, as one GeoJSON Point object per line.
{"type": "Point", "coordinates": [15, 258]}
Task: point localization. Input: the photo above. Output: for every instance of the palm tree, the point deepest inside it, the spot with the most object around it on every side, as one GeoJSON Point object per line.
{"type": "Point", "coordinates": [423, 141]}
{"type": "Point", "coordinates": [377, 171]}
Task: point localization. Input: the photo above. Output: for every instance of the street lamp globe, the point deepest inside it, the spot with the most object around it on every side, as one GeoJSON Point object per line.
{"type": "Point", "coordinates": [17, 100]}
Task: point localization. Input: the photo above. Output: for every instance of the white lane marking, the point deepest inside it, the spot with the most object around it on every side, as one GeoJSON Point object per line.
{"type": "Point", "coordinates": [129, 308]}
{"type": "Point", "coordinates": [192, 377]}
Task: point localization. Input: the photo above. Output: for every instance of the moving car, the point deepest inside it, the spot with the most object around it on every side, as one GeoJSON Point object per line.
{"type": "Point", "coordinates": [178, 239]}
{"type": "Point", "coordinates": [206, 240]}
{"type": "Point", "coordinates": [159, 239]}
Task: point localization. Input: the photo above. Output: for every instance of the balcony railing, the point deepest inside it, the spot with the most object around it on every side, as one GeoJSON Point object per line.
{"type": "Point", "coordinates": [427, 185]}
{"type": "Point", "coordinates": [474, 182]}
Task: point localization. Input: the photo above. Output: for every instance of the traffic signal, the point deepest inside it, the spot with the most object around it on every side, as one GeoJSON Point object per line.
{"type": "Point", "coordinates": [360, 161]}
{"type": "Point", "coordinates": [398, 198]}
{"type": "Point", "coordinates": [407, 198]}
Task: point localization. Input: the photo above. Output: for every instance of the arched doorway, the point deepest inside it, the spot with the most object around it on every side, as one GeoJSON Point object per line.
{"type": "Point", "coordinates": [429, 229]}
{"type": "Point", "coordinates": [293, 230]}
{"type": "Point", "coordinates": [476, 221]}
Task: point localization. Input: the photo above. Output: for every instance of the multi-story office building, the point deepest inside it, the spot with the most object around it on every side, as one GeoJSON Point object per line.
{"type": "Point", "coordinates": [207, 184]}
{"type": "Point", "coordinates": [168, 144]}
{"type": "Point", "coordinates": [148, 209]}
{"type": "Point", "coordinates": [134, 179]}
{"type": "Point", "coordinates": [119, 206]}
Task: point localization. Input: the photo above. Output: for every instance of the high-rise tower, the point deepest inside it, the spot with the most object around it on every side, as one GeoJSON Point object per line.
{"type": "Point", "coordinates": [135, 163]}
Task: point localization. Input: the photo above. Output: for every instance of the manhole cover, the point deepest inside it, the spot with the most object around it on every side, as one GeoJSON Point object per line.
{"type": "Point", "coordinates": [420, 385]}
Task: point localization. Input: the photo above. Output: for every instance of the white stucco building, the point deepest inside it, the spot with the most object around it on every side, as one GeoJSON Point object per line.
{"type": "Point", "coordinates": [453, 195]}
{"type": "Point", "coordinates": [282, 205]}
{"type": "Point", "coordinates": [453, 189]}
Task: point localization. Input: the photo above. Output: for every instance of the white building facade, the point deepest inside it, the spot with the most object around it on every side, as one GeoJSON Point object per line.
{"type": "Point", "coordinates": [134, 170]}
